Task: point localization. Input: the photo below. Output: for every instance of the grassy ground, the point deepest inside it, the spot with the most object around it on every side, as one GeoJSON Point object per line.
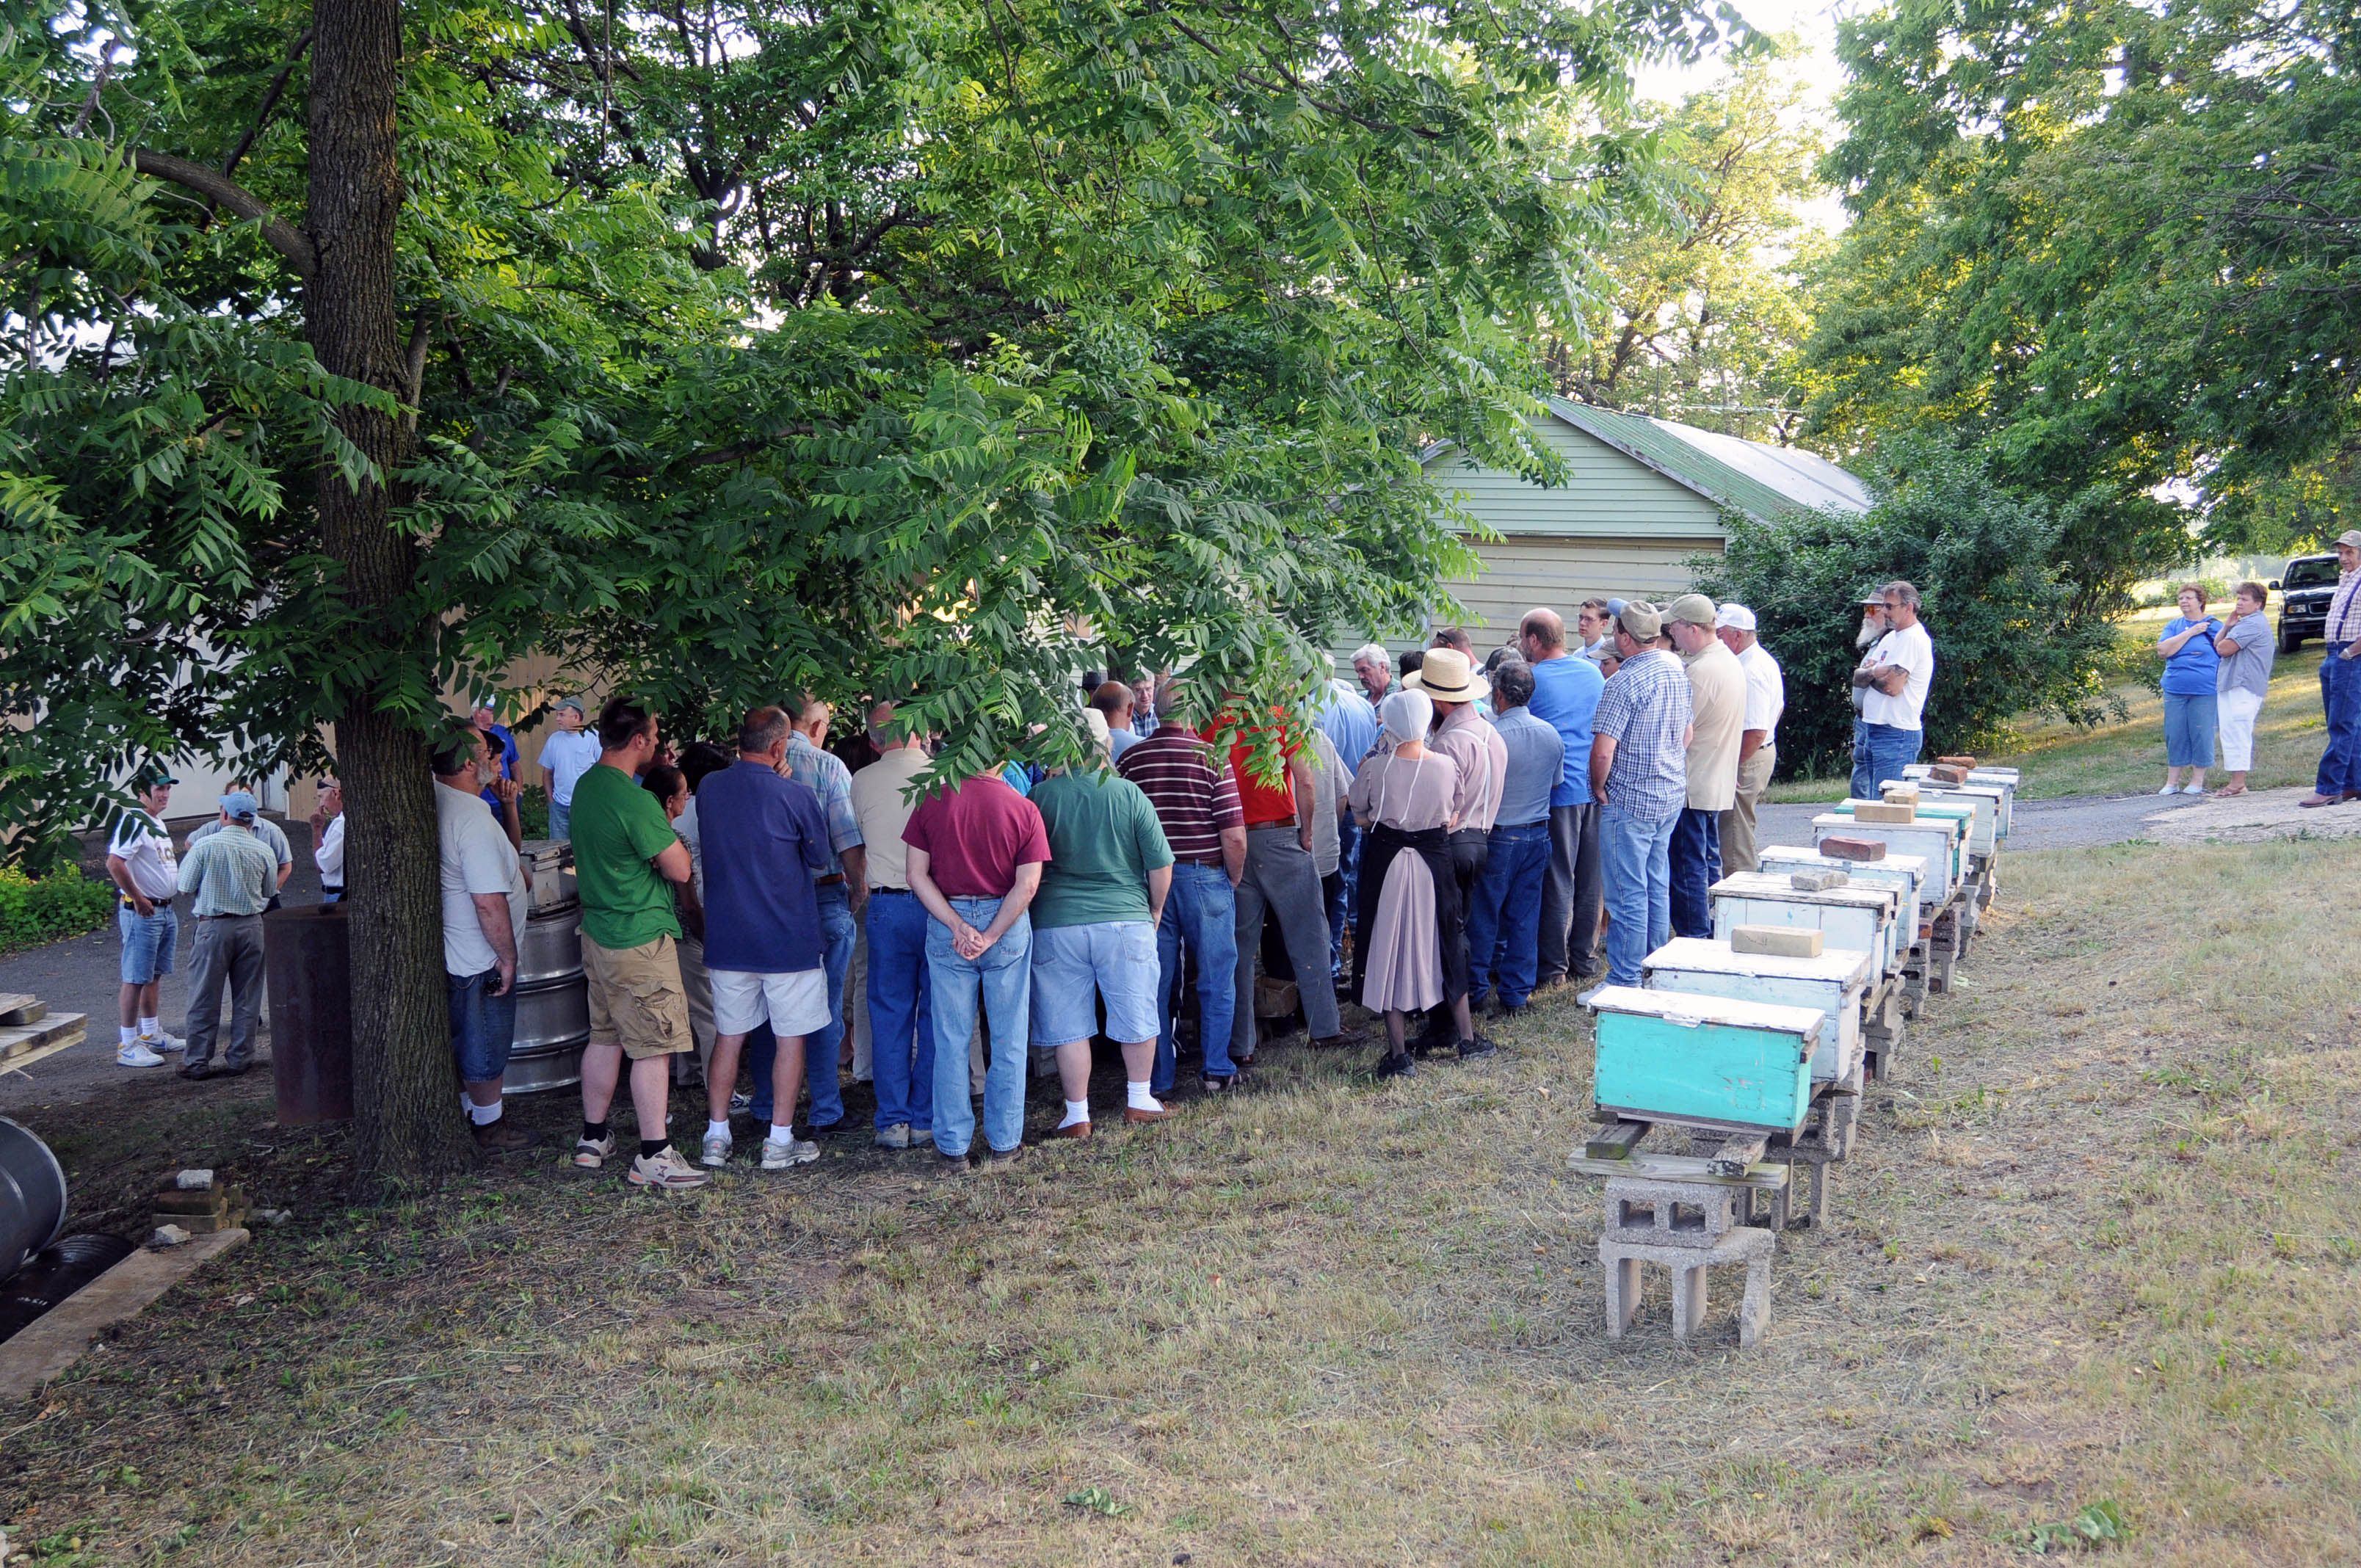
{"type": "Point", "coordinates": [2096, 1249]}
{"type": "Point", "coordinates": [2127, 758]}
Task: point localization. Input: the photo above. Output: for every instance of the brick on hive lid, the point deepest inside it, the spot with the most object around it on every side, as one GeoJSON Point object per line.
{"type": "Point", "coordinates": [1836, 846]}
{"type": "Point", "coordinates": [1778, 941]}
{"type": "Point", "coordinates": [1962, 762]}
{"type": "Point", "coordinates": [1817, 879]}
{"type": "Point", "coordinates": [1893, 814]}
{"type": "Point", "coordinates": [1900, 795]}
{"type": "Point", "coordinates": [1944, 773]}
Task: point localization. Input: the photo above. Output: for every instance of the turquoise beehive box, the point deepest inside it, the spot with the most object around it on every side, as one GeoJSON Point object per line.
{"type": "Point", "coordinates": [1716, 1060]}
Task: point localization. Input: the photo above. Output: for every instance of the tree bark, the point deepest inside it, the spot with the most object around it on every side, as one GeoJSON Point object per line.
{"type": "Point", "coordinates": [403, 1081]}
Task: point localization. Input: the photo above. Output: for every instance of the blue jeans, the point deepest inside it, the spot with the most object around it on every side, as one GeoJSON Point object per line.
{"type": "Point", "coordinates": [2340, 702]}
{"type": "Point", "coordinates": [483, 1027]}
{"type": "Point", "coordinates": [901, 1015]}
{"type": "Point", "coordinates": [1341, 902]}
{"type": "Point", "coordinates": [1636, 855]}
{"type": "Point", "coordinates": [1696, 855]}
{"type": "Point", "coordinates": [836, 929]}
{"type": "Point", "coordinates": [1203, 911]}
{"type": "Point", "coordinates": [1881, 753]}
{"type": "Point", "coordinates": [2190, 720]}
{"type": "Point", "coordinates": [560, 819]}
{"type": "Point", "coordinates": [1002, 978]}
{"type": "Point", "coordinates": [1504, 920]}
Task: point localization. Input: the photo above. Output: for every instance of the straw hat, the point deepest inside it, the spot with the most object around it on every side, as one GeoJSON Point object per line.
{"type": "Point", "coordinates": [1448, 675]}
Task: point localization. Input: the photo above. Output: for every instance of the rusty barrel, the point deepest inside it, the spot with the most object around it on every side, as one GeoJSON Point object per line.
{"type": "Point", "coordinates": [307, 956]}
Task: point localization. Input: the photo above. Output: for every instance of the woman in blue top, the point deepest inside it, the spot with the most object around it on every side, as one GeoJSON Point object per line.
{"type": "Point", "coordinates": [2190, 663]}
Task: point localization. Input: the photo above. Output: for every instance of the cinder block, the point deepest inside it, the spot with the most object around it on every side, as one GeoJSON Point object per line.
{"type": "Point", "coordinates": [1817, 881]}
{"type": "Point", "coordinates": [1619, 1262]}
{"type": "Point", "coordinates": [1897, 815]}
{"type": "Point", "coordinates": [1669, 1214]}
{"type": "Point", "coordinates": [1778, 941]}
{"type": "Point", "coordinates": [1943, 772]}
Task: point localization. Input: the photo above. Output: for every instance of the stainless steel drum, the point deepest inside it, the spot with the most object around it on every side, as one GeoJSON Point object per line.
{"type": "Point", "coordinates": [32, 1196]}
{"type": "Point", "coordinates": [553, 1018]}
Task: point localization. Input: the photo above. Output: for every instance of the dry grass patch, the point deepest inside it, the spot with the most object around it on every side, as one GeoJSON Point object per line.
{"type": "Point", "coordinates": [2103, 1252]}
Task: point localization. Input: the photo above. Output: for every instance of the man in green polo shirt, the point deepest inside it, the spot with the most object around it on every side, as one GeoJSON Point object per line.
{"type": "Point", "coordinates": [625, 854]}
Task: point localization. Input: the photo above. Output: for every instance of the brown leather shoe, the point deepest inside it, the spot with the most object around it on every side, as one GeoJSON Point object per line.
{"type": "Point", "coordinates": [2312, 800]}
{"type": "Point", "coordinates": [504, 1137]}
{"type": "Point", "coordinates": [1132, 1113]}
{"type": "Point", "coordinates": [1079, 1130]}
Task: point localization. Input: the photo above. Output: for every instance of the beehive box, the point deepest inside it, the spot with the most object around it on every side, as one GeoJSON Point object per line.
{"type": "Point", "coordinates": [1931, 809]}
{"type": "Point", "coordinates": [1936, 839]}
{"type": "Point", "coordinates": [1678, 1056]}
{"type": "Point", "coordinates": [2001, 779]}
{"type": "Point", "coordinates": [1832, 985]}
{"type": "Point", "coordinates": [1983, 837]}
{"type": "Point", "coordinates": [1906, 875]}
{"type": "Point", "coordinates": [1863, 916]}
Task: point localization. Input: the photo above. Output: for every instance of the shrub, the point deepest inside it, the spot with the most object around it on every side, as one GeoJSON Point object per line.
{"type": "Point", "coordinates": [2007, 638]}
{"type": "Point", "coordinates": [66, 903]}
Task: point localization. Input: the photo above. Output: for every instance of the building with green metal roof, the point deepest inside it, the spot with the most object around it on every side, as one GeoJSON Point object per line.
{"type": "Point", "coordinates": [1643, 495]}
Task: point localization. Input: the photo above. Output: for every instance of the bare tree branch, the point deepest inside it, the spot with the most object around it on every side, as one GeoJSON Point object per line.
{"type": "Point", "coordinates": [219, 189]}
{"type": "Point", "coordinates": [269, 102]}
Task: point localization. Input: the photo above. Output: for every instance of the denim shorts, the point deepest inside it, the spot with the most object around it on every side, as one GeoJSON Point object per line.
{"type": "Point", "coordinates": [147, 945]}
{"type": "Point", "coordinates": [483, 1027]}
{"type": "Point", "coordinates": [1075, 965]}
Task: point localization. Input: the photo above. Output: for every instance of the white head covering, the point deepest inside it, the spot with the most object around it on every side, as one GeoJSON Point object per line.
{"type": "Point", "coordinates": [1095, 722]}
{"type": "Point", "coordinates": [1736, 616]}
{"type": "Point", "coordinates": [1407, 714]}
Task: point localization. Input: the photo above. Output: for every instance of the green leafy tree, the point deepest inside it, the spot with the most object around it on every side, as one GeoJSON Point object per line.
{"type": "Point", "coordinates": [922, 351]}
{"type": "Point", "coordinates": [2114, 245]}
{"type": "Point", "coordinates": [2007, 636]}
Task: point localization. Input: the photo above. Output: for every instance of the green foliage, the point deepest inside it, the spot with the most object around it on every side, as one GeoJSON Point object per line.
{"type": "Point", "coordinates": [2094, 1525]}
{"type": "Point", "coordinates": [64, 903]}
{"type": "Point", "coordinates": [869, 349]}
{"type": "Point", "coordinates": [2007, 635]}
{"type": "Point", "coordinates": [2114, 245]}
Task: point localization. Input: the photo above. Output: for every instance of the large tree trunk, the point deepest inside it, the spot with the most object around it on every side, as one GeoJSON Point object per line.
{"type": "Point", "coordinates": [403, 1082]}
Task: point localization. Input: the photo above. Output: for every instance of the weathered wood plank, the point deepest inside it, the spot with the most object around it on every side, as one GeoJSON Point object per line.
{"type": "Point", "coordinates": [1736, 1155]}
{"type": "Point", "coordinates": [1616, 1142]}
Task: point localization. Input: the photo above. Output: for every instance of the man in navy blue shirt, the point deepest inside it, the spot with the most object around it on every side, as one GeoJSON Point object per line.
{"type": "Point", "coordinates": [764, 837]}
{"type": "Point", "coordinates": [1566, 694]}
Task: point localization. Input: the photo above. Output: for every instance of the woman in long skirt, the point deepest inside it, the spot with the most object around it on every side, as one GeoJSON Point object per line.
{"type": "Point", "coordinates": [1403, 801]}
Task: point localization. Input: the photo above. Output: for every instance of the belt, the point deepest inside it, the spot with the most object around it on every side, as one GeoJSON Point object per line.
{"type": "Point", "coordinates": [332, 887]}
{"type": "Point", "coordinates": [834, 879]}
{"type": "Point", "coordinates": [1213, 861]}
{"type": "Point", "coordinates": [256, 915]}
{"type": "Point", "coordinates": [161, 904]}
{"type": "Point", "coordinates": [882, 892]}
{"type": "Point", "coordinates": [1273, 822]}
{"type": "Point", "coordinates": [1460, 833]}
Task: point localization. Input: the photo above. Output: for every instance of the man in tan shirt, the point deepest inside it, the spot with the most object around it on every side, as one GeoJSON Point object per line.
{"type": "Point", "coordinates": [1449, 679]}
{"type": "Point", "coordinates": [1717, 701]}
{"type": "Point", "coordinates": [901, 1015]}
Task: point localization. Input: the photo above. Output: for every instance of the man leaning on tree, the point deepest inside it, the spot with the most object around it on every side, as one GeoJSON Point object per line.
{"type": "Point", "coordinates": [485, 904]}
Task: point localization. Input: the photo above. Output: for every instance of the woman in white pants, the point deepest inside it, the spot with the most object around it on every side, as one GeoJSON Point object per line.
{"type": "Point", "coordinates": [2246, 648]}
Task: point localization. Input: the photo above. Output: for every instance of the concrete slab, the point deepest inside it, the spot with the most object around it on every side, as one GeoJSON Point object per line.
{"type": "Point", "coordinates": [2252, 817]}
{"type": "Point", "coordinates": [55, 1341]}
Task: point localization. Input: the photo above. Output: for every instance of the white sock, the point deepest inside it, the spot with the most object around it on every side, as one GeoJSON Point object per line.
{"type": "Point", "coordinates": [151, 1027]}
{"type": "Point", "coordinates": [783, 1133]}
{"type": "Point", "coordinates": [1076, 1111]}
{"type": "Point", "coordinates": [718, 1130]}
{"type": "Point", "coordinates": [129, 1034]}
{"type": "Point", "coordinates": [1141, 1100]}
{"type": "Point", "coordinates": [484, 1115]}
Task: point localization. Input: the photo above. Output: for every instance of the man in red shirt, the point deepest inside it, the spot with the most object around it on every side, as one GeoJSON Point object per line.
{"type": "Point", "coordinates": [976, 853]}
{"type": "Point", "coordinates": [1279, 876]}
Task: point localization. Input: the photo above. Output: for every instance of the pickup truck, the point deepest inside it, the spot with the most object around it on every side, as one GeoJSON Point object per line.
{"type": "Point", "coordinates": [2305, 587]}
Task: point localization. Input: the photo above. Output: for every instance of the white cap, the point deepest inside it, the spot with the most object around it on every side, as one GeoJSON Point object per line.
{"type": "Point", "coordinates": [1736, 616]}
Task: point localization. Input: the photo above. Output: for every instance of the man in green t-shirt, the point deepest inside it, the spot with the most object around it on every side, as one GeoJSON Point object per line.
{"type": "Point", "coordinates": [625, 854]}
{"type": "Point", "coordinates": [1094, 929]}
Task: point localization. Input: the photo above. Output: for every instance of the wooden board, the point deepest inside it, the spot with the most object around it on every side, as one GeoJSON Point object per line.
{"type": "Point", "coordinates": [17, 1008]}
{"type": "Point", "coordinates": [1767, 1177]}
{"type": "Point", "coordinates": [26, 1058]}
{"type": "Point", "coordinates": [32, 1036]}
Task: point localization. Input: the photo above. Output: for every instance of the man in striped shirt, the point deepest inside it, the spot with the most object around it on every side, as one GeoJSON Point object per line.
{"type": "Point", "coordinates": [2340, 682]}
{"type": "Point", "coordinates": [1196, 800]}
{"type": "Point", "coordinates": [1639, 767]}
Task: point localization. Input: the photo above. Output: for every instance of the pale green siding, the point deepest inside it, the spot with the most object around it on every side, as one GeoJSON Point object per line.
{"type": "Point", "coordinates": [1608, 494]}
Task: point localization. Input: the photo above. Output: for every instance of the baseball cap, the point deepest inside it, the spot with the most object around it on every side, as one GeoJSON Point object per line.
{"type": "Point", "coordinates": [2350, 536]}
{"type": "Point", "coordinates": [240, 805]}
{"type": "Point", "coordinates": [1641, 618]}
{"type": "Point", "coordinates": [573, 702]}
{"type": "Point", "coordinates": [1691, 609]}
{"type": "Point", "coordinates": [1615, 608]}
{"type": "Point", "coordinates": [1736, 616]}
{"type": "Point", "coordinates": [151, 775]}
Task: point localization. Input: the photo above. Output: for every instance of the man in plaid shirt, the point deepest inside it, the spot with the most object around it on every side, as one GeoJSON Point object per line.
{"type": "Point", "coordinates": [2340, 682]}
{"type": "Point", "coordinates": [1638, 768]}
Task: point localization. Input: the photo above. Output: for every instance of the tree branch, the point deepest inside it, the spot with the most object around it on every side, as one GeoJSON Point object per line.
{"type": "Point", "coordinates": [219, 189]}
{"type": "Point", "coordinates": [269, 102]}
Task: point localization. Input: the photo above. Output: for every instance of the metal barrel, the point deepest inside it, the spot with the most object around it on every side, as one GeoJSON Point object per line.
{"type": "Point", "coordinates": [553, 1016]}
{"type": "Point", "coordinates": [32, 1196]}
{"type": "Point", "coordinates": [307, 961]}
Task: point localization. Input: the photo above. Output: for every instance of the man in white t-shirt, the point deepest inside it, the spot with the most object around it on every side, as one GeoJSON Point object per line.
{"type": "Point", "coordinates": [564, 758]}
{"type": "Point", "coordinates": [328, 840]}
{"type": "Point", "coordinates": [1758, 741]}
{"type": "Point", "coordinates": [484, 910]}
{"type": "Point", "coordinates": [146, 877]}
{"type": "Point", "coordinates": [1892, 682]}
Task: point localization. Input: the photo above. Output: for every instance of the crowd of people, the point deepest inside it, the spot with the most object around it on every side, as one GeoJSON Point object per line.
{"type": "Point", "coordinates": [1433, 842]}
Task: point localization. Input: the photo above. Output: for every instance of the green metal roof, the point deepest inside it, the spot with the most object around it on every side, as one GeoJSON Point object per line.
{"type": "Point", "coordinates": [1752, 476]}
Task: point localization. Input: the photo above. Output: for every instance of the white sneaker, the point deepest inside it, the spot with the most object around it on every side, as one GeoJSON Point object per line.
{"type": "Point", "coordinates": [2170, 789]}
{"type": "Point", "coordinates": [797, 1151]}
{"type": "Point", "coordinates": [163, 1039]}
{"type": "Point", "coordinates": [592, 1153]}
{"type": "Point", "coordinates": [716, 1148]}
{"type": "Point", "coordinates": [2193, 789]}
{"type": "Point", "coordinates": [137, 1054]}
{"type": "Point", "coordinates": [667, 1170]}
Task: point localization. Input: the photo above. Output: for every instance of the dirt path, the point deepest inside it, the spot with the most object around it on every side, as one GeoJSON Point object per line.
{"type": "Point", "coordinates": [2080, 821]}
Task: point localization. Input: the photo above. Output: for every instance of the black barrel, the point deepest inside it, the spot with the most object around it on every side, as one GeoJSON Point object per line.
{"type": "Point", "coordinates": [32, 1196]}
{"type": "Point", "coordinates": [308, 956]}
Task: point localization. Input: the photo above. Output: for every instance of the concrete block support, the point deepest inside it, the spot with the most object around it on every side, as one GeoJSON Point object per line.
{"type": "Point", "coordinates": [1620, 1263]}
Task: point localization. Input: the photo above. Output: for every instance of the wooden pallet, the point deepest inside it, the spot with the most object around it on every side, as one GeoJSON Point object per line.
{"type": "Point", "coordinates": [18, 1009]}
{"type": "Point", "coordinates": [30, 1043]}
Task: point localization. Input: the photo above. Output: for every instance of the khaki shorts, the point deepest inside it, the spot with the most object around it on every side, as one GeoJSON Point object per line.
{"type": "Point", "coordinates": [637, 1001]}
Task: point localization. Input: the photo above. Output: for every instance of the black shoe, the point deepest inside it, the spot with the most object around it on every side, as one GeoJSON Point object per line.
{"type": "Point", "coordinates": [1478, 1048]}
{"type": "Point", "coordinates": [232, 1069]}
{"type": "Point", "coordinates": [828, 1132]}
{"type": "Point", "coordinates": [1512, 1010]}
{"type": "Point", "coordinates": [1217, 1085]}
{"type": "Point", "coordinates": [197, 1071]}
{"type": "Point", "coordinates": [1396, 1066]}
